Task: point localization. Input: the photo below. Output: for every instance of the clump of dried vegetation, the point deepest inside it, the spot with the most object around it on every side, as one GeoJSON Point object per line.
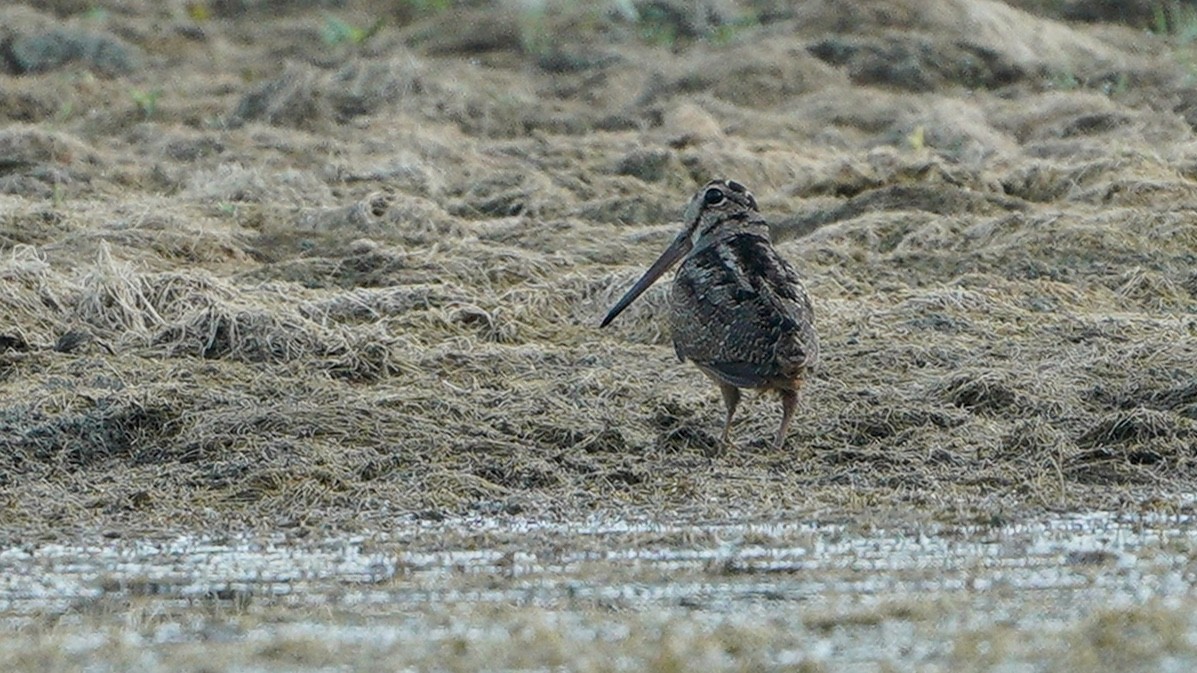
{"type": "Point", "coordinates": [366, 283]}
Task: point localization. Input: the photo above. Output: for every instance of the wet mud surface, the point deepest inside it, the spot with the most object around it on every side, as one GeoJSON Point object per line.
{"type": "Point", "coordinates": [1093, 590]}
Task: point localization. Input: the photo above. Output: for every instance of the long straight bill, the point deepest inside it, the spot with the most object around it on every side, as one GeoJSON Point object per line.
{"type": "Point", "coordinates": [676, 250]}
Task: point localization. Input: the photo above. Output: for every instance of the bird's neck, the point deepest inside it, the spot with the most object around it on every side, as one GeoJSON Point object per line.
{"type": "Point", "coordinates": [730, 228]}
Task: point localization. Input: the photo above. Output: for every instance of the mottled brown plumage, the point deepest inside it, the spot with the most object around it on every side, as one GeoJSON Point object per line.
{"type": "Point", "coordinates": [738, 310]}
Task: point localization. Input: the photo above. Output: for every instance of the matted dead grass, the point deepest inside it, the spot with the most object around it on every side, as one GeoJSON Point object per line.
{"type": "Point", "coordinates": [357, 280]}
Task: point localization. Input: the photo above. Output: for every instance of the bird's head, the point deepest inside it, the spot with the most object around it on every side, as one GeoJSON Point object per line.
{"type": "Point", "coordinates": [720, 204]}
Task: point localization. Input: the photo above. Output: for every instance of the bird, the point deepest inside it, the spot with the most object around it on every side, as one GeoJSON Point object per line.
{"type": "Point", "coordinates": [737, 309]}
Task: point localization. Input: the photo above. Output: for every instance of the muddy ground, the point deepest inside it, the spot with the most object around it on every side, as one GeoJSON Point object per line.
{"type": "Point", "coordinates": [302, 267]}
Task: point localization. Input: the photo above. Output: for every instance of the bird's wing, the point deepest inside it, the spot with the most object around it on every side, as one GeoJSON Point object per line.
{"type": "Point", "coordinates": [740, 312]}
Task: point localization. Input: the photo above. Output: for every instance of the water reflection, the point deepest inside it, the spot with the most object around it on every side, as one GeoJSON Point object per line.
{"type": "Point", "coordinates": [1058, 562]}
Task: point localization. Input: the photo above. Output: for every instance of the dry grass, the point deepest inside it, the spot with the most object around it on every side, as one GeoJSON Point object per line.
{"type": "Point", "coordinates": [367, 283]}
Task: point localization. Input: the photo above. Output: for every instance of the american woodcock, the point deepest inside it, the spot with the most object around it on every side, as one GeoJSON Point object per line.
{"type": "Point", "coordinates": [737, 309]}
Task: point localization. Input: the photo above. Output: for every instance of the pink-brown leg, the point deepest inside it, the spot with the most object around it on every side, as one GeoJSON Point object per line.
{"type": "Point", "coordinates": [731, 399]}
{"type": "Point", "coordinates": [789, 402]}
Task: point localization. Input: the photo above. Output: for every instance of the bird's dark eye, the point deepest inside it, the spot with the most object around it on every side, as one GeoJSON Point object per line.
{"type": "Point", "coordinates": [713, 197]}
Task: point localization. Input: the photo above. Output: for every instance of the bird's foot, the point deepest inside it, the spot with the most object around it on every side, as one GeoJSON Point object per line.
{"type": "Point", "coordinates": [720, 448]}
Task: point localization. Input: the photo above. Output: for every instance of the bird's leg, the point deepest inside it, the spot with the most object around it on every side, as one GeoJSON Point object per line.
{"type": "Point", "coordinates": [789, 402]}
{"type": "Point", "coordinates": [731, 398]}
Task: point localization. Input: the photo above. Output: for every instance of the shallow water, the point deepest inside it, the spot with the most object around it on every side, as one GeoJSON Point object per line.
{"type": "Point", "coordinates": [851, 595]}
{"type": "Point", "coordinates": [789, 561]}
